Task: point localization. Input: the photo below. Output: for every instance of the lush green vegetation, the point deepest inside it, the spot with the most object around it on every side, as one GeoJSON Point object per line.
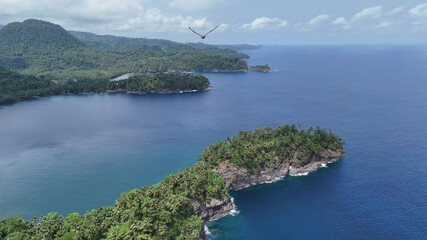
{"type": "Point", "coordinates": [115, 43]}
{"type": "Point", "coordinates": [265, 147]}
{"type": "Point", "coordinates": [161, 211]}
{"type": "Point", "coordinates": [260, 68]}
{"type": "Point", "coordinates": [125, 44]}
{"type": "Point", "coordinates": [166, 210]}
{"type": "Point", "coordinates": [15, 86]}
{"type": "Point", "coordinates": [147, 83]}
{"type": "Point", "coordinates": [45, 49]}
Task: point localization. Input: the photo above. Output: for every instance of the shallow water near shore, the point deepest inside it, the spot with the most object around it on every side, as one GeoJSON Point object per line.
{"type": "Point", "coordinates": [75, 153]}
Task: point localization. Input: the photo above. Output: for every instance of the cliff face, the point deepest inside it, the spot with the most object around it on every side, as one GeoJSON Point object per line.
{"type": "Point", "coordinates": [216, 209]}
{"type": "Point", "coordinates": [237, 178]}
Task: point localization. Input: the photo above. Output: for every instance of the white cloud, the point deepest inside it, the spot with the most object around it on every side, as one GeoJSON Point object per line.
{"type": "Point", "coordinates": [385, 24]}
{"type": "Point", "coordinates": [372, 18]}
{"type": "Point", "coordinates": [319, 19]}
{"type": "Point", "coordinates": [419, 11]}
{"type": "Point", "coordinates": [224, 27]}
{"type": "Point", "coordinates": [340, 21]}
{"type": "Point", "coordinates": [100, 16]}
{"type": "Point", "coordinates": [265, 23]}
{"type": "Point", "coordinates": [371, 12]}
{"type": "Point", "coordinates": [312, 23]}
{"type": "Point", "coordinates": [153, 20]}
{"type": "Point", "coordinates": [395, 11]}
{"type": "Point", "coordinates": [193, 5]}
{"type": "Point", "coordinates": [142, 17]}
{"type": "Point", "coordinates": [419, 17]}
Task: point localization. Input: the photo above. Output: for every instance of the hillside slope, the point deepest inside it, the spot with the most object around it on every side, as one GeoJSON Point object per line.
{"type": "Point", "coordinates": [45, 49]}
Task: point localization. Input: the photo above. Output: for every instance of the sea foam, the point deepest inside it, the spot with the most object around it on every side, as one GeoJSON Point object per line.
{"type": "Point", "coordinates": [206, 229]}
{"type": "Point", "coordinates": [234, 212]}
{"type": "Point", "coordinates": [299, 174]}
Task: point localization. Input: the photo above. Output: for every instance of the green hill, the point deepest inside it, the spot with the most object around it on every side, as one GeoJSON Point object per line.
{"type": "Point", "coordinates": [114, 43]}
{"type": "Point", "coordinates": [35, 35]}
{"type": "Point", "coordinates": [47, 50]}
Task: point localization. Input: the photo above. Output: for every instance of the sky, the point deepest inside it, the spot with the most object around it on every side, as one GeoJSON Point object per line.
{"type": "Point", "coordinates": [240, 21]}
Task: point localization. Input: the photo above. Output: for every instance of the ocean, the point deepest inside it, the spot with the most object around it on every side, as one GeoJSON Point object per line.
{"type": "Point", "coordinates": [74, 153]}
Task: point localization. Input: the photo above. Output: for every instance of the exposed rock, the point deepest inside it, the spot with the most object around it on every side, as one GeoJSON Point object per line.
{"type": "Point", "coordinates": [237, 178]}
{"type": "Point", "coordinates": [306, 166]}
{"type": "Point", "coordinates": [211, 211]}
{"type": "Point", "coordinates": [214, 210]}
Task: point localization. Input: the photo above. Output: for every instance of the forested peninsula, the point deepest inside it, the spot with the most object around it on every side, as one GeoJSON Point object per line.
{"type": "Point", "coordinates": [180, 205]}
{"type": "Point", "coordinates": [16, 87]}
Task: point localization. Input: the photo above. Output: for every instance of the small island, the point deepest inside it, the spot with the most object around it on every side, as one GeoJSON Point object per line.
{"type": "Point", "coordinates": [260, 68]}
{"type": "Point", "coordinates": [180, 205]}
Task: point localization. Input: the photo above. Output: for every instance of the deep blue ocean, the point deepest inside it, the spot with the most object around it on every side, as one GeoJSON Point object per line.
{"type": "Point", "coordinates": [75, 153]}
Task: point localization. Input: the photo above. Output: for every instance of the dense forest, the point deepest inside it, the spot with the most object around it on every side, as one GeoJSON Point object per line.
{"type": "Point", "coordinates": [15, 86]}
{"type": "Point", "coordinates": [260, 68]}
{"type": "Point", "coordinates": [165, 210]}
{"type": "Point", "coordinates": [264, 147]}
{"type": "Point", "coordinates": [126, 44]}
{"type": "Point", "coordinates": [45, 49]}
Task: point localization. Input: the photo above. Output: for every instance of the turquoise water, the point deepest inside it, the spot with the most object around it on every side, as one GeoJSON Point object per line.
{"type": "Point", "coordinates": [75, 153]}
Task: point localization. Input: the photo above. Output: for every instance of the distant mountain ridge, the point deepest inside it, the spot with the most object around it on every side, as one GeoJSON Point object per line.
{"type": "Point", "coordinates": [116, 43]}
{"type": "Point", "coordinates": [46, 49]}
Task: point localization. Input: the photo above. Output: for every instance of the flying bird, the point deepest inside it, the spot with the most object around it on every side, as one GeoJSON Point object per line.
{"type": "Point", "coordinates": [203, 36]}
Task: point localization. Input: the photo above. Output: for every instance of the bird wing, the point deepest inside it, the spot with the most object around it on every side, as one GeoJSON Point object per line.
{"type": "Point", "coordinates": [195, 32]}
{"type": "Point", "coordinates": [211, 30]}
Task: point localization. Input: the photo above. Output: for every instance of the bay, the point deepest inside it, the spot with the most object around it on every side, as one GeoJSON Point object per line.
{"type": "Point", "coordinates": [75, 153]}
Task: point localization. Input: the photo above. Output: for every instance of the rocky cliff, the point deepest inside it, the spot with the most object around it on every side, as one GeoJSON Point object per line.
{"type": "Point", "coordinates": [237, 178]}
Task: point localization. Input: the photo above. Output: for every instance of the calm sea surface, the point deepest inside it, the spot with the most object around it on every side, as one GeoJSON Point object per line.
{"type": "Point", "coordinates": [75, 153]}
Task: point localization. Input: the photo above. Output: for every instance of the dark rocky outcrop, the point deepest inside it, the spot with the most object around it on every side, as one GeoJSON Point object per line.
{"type": "Point", "coordinates": [215, 209]}
{"type": "Point", "coordinates": [237, 178]}
{"type": "Point", "coordinates": [211, 211]}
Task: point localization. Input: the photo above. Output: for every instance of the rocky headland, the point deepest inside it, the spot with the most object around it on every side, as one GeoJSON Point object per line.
{"type": "Point", "coordinates": [180, 206]}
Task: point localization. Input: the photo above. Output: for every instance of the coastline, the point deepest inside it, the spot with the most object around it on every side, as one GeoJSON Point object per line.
{"type": "Point", "coordinates": [237, 179]}
{"type": "Point", "coordinates": [233, 71]}
{"type": "Point", "coordinates": [31, 98]}
{"type": "Point", "coordinates": [201, 193]}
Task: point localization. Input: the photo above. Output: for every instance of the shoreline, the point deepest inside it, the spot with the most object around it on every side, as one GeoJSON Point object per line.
{"type": "Point", "coordinates": [32, 98]}
{"type": "Point", "coordinates": [280, 174]}
{"type": "Point", "coordinates": [126, 76]}
{"type": "Point", "coordinates": [203, 190]}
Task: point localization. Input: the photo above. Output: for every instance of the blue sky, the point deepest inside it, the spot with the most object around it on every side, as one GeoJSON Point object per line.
{"type": "Point", "coordinates": [240, 21]}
